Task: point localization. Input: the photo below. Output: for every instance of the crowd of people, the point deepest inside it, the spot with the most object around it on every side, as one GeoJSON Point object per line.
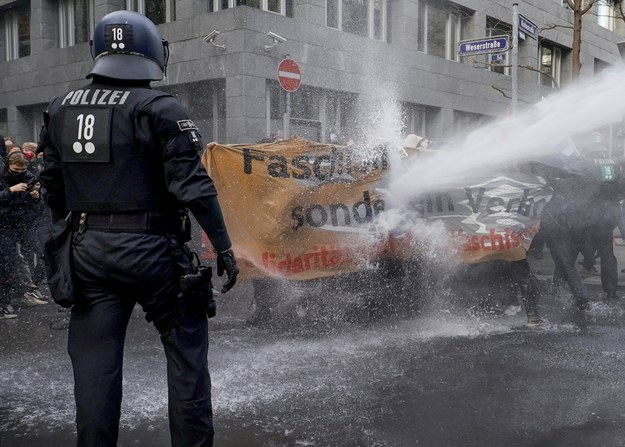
{"type": "Point", "coordinates": [580, 219]}
{"type": "Point", "coordinates": [22, 210]}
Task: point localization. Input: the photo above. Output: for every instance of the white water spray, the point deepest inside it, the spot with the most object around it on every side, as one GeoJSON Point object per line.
{"type": "Point", "coordinates": [380, 127]}
{"type": "Point", "coordinates": [533, 132]}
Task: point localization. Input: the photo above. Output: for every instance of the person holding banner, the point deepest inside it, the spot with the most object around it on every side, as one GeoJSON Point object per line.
{"type": "Point", "coordinates": [124, 160]}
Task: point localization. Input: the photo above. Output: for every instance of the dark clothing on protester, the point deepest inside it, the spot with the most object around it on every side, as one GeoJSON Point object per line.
{"type": "Point", "coordinates": [564, 242]}
{"type": "Point", "coordinates": [19, 212]}
{"type": "Point", "coordinates": [599, 234]}
{"type": "Point", "coordinates": [18, 209]}
{"type": "Point", "coordinates": [583, 212]}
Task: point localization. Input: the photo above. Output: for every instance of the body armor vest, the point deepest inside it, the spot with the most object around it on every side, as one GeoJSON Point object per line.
{"type": "Point", "coordinates": [111, 160]}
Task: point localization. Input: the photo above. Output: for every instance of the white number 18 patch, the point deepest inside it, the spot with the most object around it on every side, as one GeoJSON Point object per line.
{"type": "Point", "coordinates": [87, 133]}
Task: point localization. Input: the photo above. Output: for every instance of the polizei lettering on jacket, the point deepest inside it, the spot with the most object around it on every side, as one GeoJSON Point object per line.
{"type": "Point", "coordinates": [96, 97]}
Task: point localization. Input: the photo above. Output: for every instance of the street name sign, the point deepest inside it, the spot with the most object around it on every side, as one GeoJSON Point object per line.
{"type": "Point", "coordinates": [495, 44]}
{"type": "Point", "coordinates": [528, 27]}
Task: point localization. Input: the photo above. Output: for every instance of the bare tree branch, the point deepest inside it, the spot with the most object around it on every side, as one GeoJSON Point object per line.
{"type": "Point", "coordinates": [551, 26]}
{"type": "Point", "coordinates": [504, 93]}
{"type": "Point", "coordinates": [541, 73]}
{"type": "Point", "coordinates": [501, 90]}
{"type": "Point", "coordinates": [588, 6]}
{"type": "Point", "coordinates": [620, 8]}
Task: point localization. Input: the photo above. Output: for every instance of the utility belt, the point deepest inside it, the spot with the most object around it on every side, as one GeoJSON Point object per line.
{"type": "Point", "coordinates": [145, 222]}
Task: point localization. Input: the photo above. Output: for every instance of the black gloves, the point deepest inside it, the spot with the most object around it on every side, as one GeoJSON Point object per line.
{"type": "Point", "coordinates": [227, 263]}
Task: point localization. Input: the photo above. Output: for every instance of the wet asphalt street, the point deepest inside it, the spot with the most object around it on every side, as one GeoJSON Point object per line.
{"type": "Point", "coordinates": [447, 376]}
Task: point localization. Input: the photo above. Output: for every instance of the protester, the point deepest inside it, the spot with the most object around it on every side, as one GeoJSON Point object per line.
{"type": "Point", "coordinates": [8, 143]}
{"type": "Point", "coordinates": [279, 136]}
{"type": "Point", "coordinates": [20, 205]}
{"type": "Point", "coordinates": [123, 251]}
{"type": "Point", "coordinates": [29, 148]}
{"type": "Point", "coordinates": [602, 214]}
{"type": "Point", "coordinates": [584, 209]}
{"type": "Point", "coordinates": [599, 231]}
{"type": "Point", "coordinates": [29, 268]}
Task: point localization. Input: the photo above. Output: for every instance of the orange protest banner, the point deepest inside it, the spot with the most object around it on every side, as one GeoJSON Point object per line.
{"type": "Point", "coordinates": [301, 210]}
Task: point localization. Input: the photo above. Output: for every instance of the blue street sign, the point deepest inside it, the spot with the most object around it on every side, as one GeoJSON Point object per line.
{"type": "Point", "coordinates": [528, 27]}
{"type": "Point", "coordinates": [496, 44]}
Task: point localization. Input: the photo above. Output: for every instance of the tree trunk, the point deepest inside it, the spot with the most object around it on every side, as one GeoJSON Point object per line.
{"type": "Point", "coordinates": [577, 38]}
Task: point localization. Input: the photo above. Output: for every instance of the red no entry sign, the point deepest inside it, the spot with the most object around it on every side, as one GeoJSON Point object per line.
{"type": "Point", "coordinates": [289, 75]}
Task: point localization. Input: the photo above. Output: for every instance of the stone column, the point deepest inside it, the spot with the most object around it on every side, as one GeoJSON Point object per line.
{"type": "Point", "coordinates": [43, 26]}
{"type": "Point", "coordinates": [245, 108]}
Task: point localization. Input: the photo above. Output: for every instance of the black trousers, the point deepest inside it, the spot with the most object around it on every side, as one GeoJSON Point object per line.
{"type": "Point", "coordinates": [113, 271]}
{"type": "Point", "coordinates": [8, 274]}
{"type": "Point", "coordinates": [524, 281]}
{"type": "Point", "coordinates": [601, 237]}
{"type": "Point", "coordinates": [564, 246]}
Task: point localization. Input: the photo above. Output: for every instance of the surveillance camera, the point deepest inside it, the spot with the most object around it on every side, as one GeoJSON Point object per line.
{"type": "Point", "coordinates": [211, 36]}
{"type": "Point", "coordinates": [275, 37]}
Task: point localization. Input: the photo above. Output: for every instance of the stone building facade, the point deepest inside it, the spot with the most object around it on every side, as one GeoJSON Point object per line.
{"type": "Point", "coordinates": [357, 58]}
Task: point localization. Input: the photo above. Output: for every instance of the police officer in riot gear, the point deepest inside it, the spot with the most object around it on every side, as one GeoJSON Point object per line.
{"type": "Point", "coordinates": [583, 209]}
{"type": "Point", "coordinates": [124, 160]}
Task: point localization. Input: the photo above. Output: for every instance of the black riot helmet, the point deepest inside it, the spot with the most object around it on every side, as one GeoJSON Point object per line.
{"type": "Point", "coordinates": [127, 45]}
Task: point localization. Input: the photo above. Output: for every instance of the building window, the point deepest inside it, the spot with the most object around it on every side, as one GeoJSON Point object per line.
{"type": "Point", "coordinates": [16, 32]}
{"type": "Point", "coordinates": [498, 62]}
{"type": "Point", "coordinates": [158, 11]}
{"type": "Point", "coordinates": [31, 116]}
{"type": "Point", "coordinates": [315, 113]}
{"type": "Point", "coordinates": [606, 14]}
{"type": "Point", "coordinates": [601, 66]}
{"type": "Point", "coordinates": [550, 59]}
{"type": "Point", "coordinates": [207, 110]}
{"type": "Point", "coordinates": [366, 18]}
{"type": "Point", "coordinates": [414, 119]}
{"type": "Point", "coordinates": [282, 7]}
{"type": "Point", "coordinates": [4, 122]}
{"type": "Point", "coordinates": [440, 28]}
{"type": "Point", "coordinates": [75, 22]}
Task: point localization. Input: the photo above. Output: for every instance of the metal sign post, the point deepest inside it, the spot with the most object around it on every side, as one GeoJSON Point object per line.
{"type": "Point", "coordinates": [286, 122]}
{"type": "Point", "coordinates": [515, 57]}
